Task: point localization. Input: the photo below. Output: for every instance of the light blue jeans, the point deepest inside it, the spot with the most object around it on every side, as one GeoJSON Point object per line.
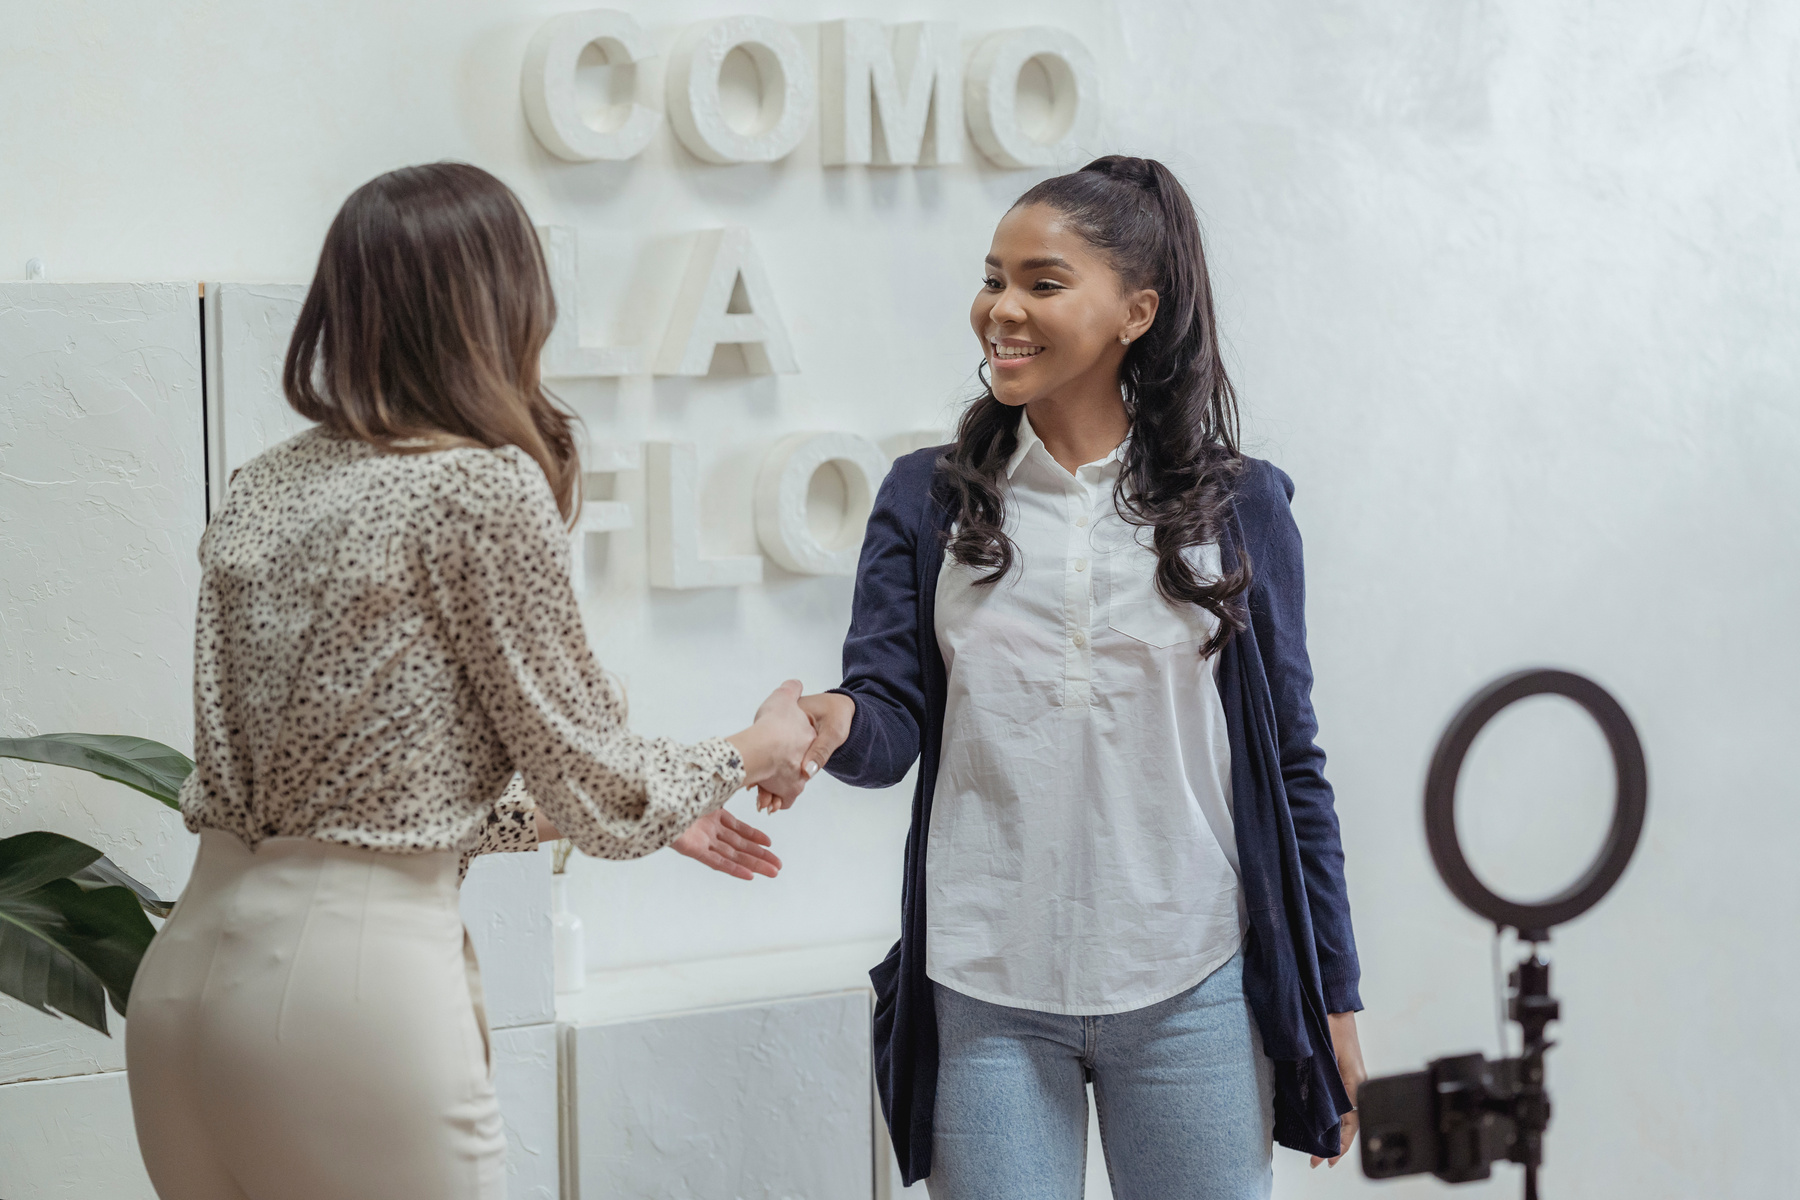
{"type": "Point", "coordinates": [1184, 1092]}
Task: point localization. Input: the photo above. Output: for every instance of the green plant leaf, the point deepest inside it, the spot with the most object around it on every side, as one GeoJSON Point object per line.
{"type": "Point", "coordinates": [103, 872]}
{"type": "Point", "coordinates": [150, 767]}
{"type": "Point", "coordinates": [108, 932]}
{"type": "Point", "coordinates": [30, 860]}
{"type": "Point", "coordinates": [64, 947]}
{"type": "Point", "coordinates": [41, 974]}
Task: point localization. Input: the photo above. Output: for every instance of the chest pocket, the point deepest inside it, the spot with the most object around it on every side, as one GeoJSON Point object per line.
{"type": "Point", "coordinates": [1136, 609]}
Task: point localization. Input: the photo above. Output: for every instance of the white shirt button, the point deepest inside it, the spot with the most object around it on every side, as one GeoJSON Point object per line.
{"type": "Point", "coordinates": [1081, 564]}
{"type": "Point", "coordinates": [1079, 639]}
{"type": "Point", "coordinates": [1081, 522]}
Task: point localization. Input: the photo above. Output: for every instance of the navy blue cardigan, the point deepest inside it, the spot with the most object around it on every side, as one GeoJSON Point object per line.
{"type": "Point", "coordinates": [1300, 956]}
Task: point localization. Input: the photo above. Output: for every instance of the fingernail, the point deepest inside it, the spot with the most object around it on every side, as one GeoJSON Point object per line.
{"type": "Point", "coordinates": [812, 768]}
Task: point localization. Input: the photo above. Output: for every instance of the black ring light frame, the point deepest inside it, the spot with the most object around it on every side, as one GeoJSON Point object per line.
{"type": "Point", "coordinates": [1534, 921]}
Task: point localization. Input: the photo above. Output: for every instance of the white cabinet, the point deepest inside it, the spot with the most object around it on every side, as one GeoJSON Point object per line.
{"type": "Point", "coordinates": [506, 909]}
{"type": "Point", "coordinates": [525, 1079]}
{"type": "Point", "coordinates": [745, 1077]}
{"type": "Point", "coordinates": [70, 1139]}
{"type": "Point", "coordinates": [770, 1099]}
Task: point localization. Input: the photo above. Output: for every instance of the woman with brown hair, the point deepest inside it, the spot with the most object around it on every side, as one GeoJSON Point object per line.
{"type": "Point", "coordinates": [387, 633]}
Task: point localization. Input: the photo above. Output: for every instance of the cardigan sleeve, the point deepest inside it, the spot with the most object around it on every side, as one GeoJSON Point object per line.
{"type": "Point", "coordinates": [1278, 611]}
{"type": "Point", "coordinates": [882, 671]}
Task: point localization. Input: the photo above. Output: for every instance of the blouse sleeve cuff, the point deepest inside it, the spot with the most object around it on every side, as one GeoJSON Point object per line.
{"type": "Point", "coordinates": [726, 764]}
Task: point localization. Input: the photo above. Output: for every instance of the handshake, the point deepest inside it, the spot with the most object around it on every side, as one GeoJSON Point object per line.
{"type": "Point", "coordinates": [792, 737]}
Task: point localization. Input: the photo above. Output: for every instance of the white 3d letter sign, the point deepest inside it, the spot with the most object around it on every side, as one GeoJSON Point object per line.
{"type": "Point", "coordinates": [600, 516]}
{"type": "Point", "coordinates": [788, 90]}
{"type": "Point", "coordinates": [913, 83]}
{"type": "Point", "coordinates": [993, 97]}
{"type": "Point", "coordinates": [548, 85]}
{"type": "Point", "coordinates": [905, 83]}
{"type": "Point", "coordinates": [781, 519]}
{"type": "Point", "coordinates": [564, 356]}
{"type": "Point", "coordinates": [725, 298]}
{"type": "Point", "coordinates": [672, 490]}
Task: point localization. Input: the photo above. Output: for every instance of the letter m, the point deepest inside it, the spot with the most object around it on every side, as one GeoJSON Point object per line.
{"type": "Point", "coordinates": [909, 77]}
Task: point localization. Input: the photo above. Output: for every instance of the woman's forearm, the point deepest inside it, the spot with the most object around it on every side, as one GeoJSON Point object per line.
{"type": "Point", "coordinates": [754, 747]}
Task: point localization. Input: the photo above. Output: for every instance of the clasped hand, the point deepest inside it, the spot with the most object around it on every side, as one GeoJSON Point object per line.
{"type": "Point", "coordinates": [828, 715]}
{"type": "Point", "coordinates": [791, 738]}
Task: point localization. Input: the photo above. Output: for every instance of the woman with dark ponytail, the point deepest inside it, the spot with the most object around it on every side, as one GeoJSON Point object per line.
{"type": "Point", "coordinates": [1086, 620]}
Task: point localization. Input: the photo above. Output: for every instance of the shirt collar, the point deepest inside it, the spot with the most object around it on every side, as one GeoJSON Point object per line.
{"type": "Point", "coordinates": [1029, 440]}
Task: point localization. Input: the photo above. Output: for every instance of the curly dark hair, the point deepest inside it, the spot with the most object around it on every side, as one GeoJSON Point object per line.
{"type": "Point", "coordinates": [1181, 461]}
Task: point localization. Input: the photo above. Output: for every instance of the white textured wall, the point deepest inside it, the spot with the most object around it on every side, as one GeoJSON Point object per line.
{"type": "Point", "coordinates": [1507, 288]}
{"type": "Point", "coordinates": [1510, 291]}
{"type": "Point", "coordinates": [101, 504]}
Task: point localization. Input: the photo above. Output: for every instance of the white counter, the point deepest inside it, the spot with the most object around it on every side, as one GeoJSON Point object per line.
{"type": "Point", "coordinates": [638, 992]}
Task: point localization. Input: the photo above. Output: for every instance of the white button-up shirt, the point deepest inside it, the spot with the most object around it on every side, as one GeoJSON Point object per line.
{"type": "Point", "coordinates": [1081, 858]}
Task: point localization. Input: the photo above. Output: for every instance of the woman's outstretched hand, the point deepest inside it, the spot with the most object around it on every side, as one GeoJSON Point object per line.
{"type": "Point", "coordinates": [830, 713]}
{"type": "Point", "coordinates": [726, 844]}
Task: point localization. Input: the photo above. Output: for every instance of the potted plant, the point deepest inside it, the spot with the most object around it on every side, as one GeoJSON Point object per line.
{"type": "Point", "coordinates": [72, 924]}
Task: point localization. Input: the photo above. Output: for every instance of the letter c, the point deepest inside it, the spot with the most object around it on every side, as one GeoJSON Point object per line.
{"type": "Point", "coordinates": [548, 85]}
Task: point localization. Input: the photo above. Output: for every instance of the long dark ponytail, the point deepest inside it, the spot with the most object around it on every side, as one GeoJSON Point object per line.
{"type": "Point", "coordinates": [1182, 457]}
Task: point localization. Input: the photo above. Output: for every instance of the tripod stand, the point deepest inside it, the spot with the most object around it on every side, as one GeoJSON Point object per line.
{"type": "Point", "coordinates": [1463, 1113]}
{"type": "Point", "coordinates": [1532, 1006]}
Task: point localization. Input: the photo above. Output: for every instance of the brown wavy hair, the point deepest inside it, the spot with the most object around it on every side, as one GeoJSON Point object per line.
{"type": "Point", "coordinates": [1182, 460]}
{"type": "Point", "coordinates": [424, 323]}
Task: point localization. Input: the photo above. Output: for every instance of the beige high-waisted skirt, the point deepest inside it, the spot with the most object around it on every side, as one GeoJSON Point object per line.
{"type": "Point", "coordinates": [308, 1026]}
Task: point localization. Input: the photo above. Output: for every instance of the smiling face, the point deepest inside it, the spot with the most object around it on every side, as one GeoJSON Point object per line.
{"type": "Point", "coordinates": [1051, 311]}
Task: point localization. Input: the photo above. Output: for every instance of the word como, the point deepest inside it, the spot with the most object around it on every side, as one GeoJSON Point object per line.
{"type": "Point", "coordinates": [884, 95]}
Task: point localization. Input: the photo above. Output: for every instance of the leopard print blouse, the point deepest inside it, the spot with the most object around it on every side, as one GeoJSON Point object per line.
{"type": "Point", "coordinates": [385, 639]}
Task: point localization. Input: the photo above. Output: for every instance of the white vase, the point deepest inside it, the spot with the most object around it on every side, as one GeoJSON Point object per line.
{"type": "Point", "coordinates": [571, 950]}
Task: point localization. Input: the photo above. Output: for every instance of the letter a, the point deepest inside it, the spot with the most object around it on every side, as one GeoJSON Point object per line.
{"type": "Point", "coordinates": [725, 298]}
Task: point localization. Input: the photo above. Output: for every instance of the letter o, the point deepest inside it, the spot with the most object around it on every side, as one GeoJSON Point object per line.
{"type": "Point", "coordinates": [991, 96]}
{"type": "Point", "coordinates": [781, 485]}
{"type": "Point", "coordinates": [789, 90]}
